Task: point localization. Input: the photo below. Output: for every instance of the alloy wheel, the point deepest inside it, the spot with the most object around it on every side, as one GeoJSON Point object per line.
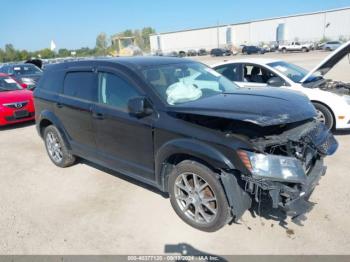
{"type": "Point", "coordinates": [321, 117]}
{"type": "Point", "coordinates": [54, 147]}
{"type": "Point", "coordinates": [196, 198]}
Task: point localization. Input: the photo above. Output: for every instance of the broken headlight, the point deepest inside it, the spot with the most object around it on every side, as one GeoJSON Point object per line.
{"type": "Point", "coordinates": [273, 167]}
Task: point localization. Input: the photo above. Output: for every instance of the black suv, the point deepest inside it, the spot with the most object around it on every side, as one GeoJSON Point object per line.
{"type": "Point", "coordinates": [183, 128]}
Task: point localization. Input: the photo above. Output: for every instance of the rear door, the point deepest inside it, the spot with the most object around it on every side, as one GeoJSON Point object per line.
{"type": "Point", "coordinates": [74, 108]}
{"type": "Point", "coordinates": [123, 141]}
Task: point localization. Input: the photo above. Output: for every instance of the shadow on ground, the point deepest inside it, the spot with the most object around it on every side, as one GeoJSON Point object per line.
{"type": "Point", "coordinates": [342, 132]}
{"type": "Point", "coordinates": [183, 249]}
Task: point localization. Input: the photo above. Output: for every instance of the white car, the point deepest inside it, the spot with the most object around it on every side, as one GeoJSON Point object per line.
{"type": "Point", "coordinates": [330, 98]}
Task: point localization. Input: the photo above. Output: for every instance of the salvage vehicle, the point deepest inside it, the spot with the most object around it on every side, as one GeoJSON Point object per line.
{"type": "Point", "coordinates": [27, 75]}
{"type": "Point", "coordinates": [331, 98]}
{"type": "Point", "coordinates": [16, 104]}
{"type": "Point", "coordinates": [294, 46]}
{"type": "Point", "coordinates": [181, 127]}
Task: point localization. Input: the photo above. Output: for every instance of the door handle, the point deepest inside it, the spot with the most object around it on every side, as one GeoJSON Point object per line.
{"type": "Point", "coordinates": [98, 116]}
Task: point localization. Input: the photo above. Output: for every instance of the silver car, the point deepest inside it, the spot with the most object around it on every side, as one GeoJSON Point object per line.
{"type": "Point", "coordinates": [332, 45]}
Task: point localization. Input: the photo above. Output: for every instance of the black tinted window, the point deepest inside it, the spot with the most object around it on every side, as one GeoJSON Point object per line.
{"type": "Point", "coordinates": [115, 91]}
{"type": "Point", "coordinates": [52, 81]}
{"type": "Point", "coordinates": [81, 85]}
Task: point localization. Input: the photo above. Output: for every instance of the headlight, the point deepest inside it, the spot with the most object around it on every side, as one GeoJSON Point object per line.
{"type": "Point", "coordinates": [347, 99]}
{"type": "Point", "coordinates": [277, 168]}
{"type": "Point", "coordinates": [27, 81]}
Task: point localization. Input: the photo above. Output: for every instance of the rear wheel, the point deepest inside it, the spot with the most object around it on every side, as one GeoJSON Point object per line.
{"type": "Point", "coordinates": [284, 50]}
{"type": "Point", "coordinates": [324, 115]}
{"type": "Point", "coordinates": [198, 197]}
{"type": "Point", "coordinates": [56, 148]}
{"type": "Point", "coordinates": [304, 49]}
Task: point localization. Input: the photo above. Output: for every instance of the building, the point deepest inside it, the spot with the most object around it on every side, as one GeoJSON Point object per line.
{"type": "Point", "coordinates": [311, 27]}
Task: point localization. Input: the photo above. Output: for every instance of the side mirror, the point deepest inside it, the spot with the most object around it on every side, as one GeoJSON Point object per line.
{"type": "Point", "coordinates": [275, 82]}
{"type": "Point", "coordinates": [139, 107]}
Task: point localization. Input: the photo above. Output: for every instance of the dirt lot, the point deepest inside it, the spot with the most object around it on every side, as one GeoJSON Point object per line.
{"type": "Point", "coordinates": [88, 210]}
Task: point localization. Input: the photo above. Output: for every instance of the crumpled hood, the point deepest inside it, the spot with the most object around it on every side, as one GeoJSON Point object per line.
{"type": "Point", "coordinates": [264, 107]}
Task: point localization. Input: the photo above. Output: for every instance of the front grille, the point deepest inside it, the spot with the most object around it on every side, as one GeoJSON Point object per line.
{"type": "Point", "coordinates": [12, 118]}
{"type": "Point", "coordinates": [323, 139]}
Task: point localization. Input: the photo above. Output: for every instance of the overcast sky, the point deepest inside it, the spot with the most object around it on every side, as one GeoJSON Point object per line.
{"type": "Point", "coordinates": [73, 24]}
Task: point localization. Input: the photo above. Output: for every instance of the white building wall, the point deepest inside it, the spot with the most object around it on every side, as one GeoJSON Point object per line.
{"type": "Point", "coordinates": [308, 27]}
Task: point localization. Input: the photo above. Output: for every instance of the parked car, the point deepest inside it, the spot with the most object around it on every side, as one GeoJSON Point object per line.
{"type": "Point", "coordinates": [16, 104]}
{"type": "Point", "coordinates": [27, 75]}
{"type": "Point", "coordinates": [183, 128]}
{"type": "Point", "coordinates": [294, 46]}
{"type": "Point", "coordinates": [331, 46]}
{"type": "Point", "coordinates": [220, 52]}
{"type": "Point", "coordinates": [192, 52]}
{"type": "Point", "coordinates": [182, 54]}
{"type": "Point", "coordinates": [202, 52]}
{"type": "Point", "coordinates": [331, 98]}
{"type": "Point", "coordinates": [248, 50]}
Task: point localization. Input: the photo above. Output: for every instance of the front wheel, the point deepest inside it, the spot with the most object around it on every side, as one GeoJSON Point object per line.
{"type": "Point", "coordinates": [198, 197]}
{"type": "Point", "coordinates": [324, 115]}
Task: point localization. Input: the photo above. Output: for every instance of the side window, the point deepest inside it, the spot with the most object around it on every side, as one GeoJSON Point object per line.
{"type": "Point", "coordinates": [80, 85]}
{"type": "Point", "coordinates": [115, 91]}
{"type": "Point", "coordinates": [52, 81]}
{"type": "Point", "coordinates": [231, 71]}
{"type": "Point", "coordinates": [257, 74]}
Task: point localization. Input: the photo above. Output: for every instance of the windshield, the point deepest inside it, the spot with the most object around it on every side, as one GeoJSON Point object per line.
{"type": "Point", "coordinates": [26, 70]}
{"type": "Point", "coordinates": [293, 72]}
{"type": "Point", "coordinates": [185, 82]}
{"type": "Point", "coordinates": [8, 84]}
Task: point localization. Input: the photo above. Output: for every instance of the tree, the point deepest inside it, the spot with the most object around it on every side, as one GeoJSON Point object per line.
{"type": "Point", "coordinates": [101, 43]}
{"type": "Point", "coordinates": [63, 52]}
{"type": "Point", "coordinates": [46, 53]}
{"type": "Point", "coordinates": [145, 33]}
{"type": "Point", "coordinates": [10, 53]}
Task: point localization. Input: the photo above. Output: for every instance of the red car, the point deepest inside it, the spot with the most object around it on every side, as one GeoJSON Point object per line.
{"type": "Point", "coordinates": [16, 103]}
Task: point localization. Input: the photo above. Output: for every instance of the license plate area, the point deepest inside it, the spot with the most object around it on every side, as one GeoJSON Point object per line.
{"type": "Point", "coordinates": [20, 114]}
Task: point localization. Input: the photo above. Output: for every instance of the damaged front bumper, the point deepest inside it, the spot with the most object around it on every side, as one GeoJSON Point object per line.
{"type": "Point", "coordinates": [293, 198]}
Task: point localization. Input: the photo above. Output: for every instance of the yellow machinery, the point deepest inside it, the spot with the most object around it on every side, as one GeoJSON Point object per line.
{"type": "Point", "coordinates": [125, 46]}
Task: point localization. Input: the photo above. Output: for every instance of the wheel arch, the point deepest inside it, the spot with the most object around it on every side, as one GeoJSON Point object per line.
{"type": "Point", "coordinates": [178, 150]}
{"type": "Point", "coordinates": [48, 118]}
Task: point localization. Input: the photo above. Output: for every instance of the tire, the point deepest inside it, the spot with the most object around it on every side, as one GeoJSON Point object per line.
{"type": "Point", "coordinates": [211, 214]}
{"type": "Point", "coordinates": [56, 148]}
{"type": "Point", "coordinates": [328, 49]}
{"type": "Point", "coordinates": [324, 115]}
{"type": "Point", "coordinates": [284, 50]}
{"type": "Point", "coordinates": [304, 50]}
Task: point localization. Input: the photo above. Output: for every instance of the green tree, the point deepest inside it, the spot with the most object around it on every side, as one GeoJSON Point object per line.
{"type": "Point", "coordinates": [101, 44]}
{"type": "Point", "coordinates": [24, 55]}
{"type": "Point", "coordinates": [46, 53]}
{"type": "Point", "coordinates": [63, 52]}
{"type": "Point", "coordinates": [10, 53]}
{"type": "Point", "coordinates": [145, 33]}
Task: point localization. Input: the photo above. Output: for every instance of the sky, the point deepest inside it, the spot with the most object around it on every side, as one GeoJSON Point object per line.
{"type": "Point", "coordinates": [73, 24]}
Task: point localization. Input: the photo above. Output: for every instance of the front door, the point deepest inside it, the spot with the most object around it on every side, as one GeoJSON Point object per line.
{"type": "Point", "coordinates": [123, 141]}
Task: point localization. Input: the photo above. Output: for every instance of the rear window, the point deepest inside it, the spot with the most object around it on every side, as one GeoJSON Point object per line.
{"type": "Point", "coordinates": [82, 85]}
